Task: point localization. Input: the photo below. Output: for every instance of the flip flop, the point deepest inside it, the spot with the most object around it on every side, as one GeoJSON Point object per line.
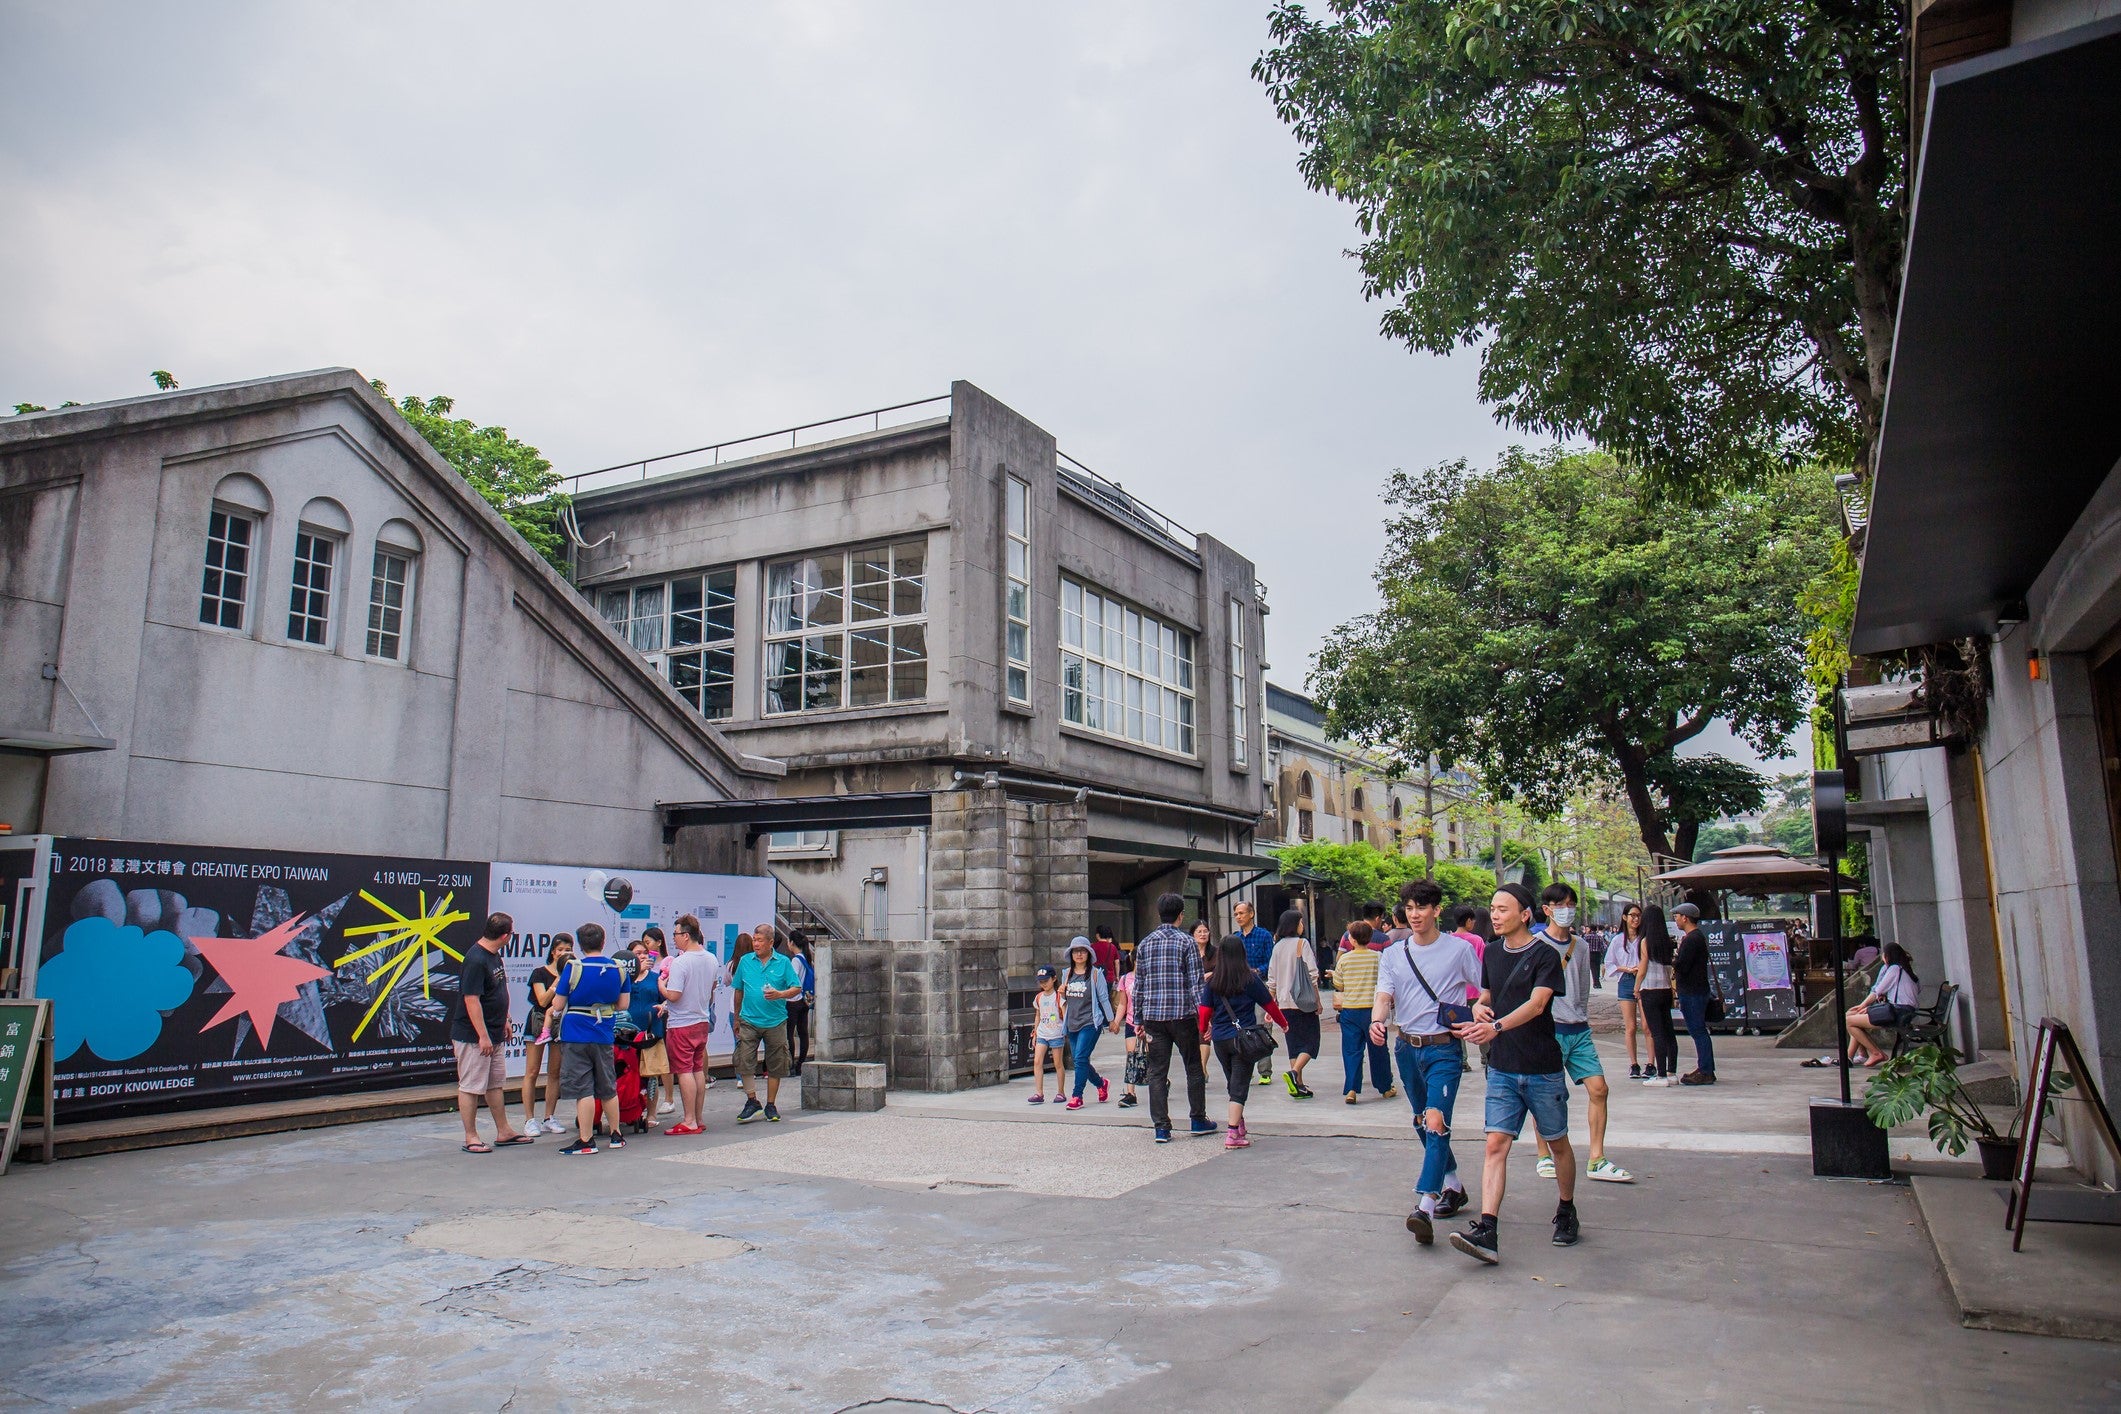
{"type": "Point", "coordinates": [514, 1139]}
{"type": "Point", "coordinates": [479, 1148]}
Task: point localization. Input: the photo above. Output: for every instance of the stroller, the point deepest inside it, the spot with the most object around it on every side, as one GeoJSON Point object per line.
{"type": "Point", "coordinates": [626, 1044]}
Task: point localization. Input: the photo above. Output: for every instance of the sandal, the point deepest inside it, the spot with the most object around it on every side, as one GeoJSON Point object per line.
{"type": "Point", "coordinates": [478, 1146]}
{"type": "Point", "coordinates": [513, 1139]}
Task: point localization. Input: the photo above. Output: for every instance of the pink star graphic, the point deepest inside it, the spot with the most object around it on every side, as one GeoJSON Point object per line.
{"type": "Point", "coordinates": [259, 977]}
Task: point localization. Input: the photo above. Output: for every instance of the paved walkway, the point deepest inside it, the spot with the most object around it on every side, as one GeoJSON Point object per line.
{"type": "Point", "coordinates": [962, 1254]}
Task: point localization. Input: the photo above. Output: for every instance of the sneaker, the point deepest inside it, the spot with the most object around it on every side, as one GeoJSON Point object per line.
{"type": "Point", "coordinates": [1351, 1098]}
{"type": "Point", "coordinates": [1634, 1072]}
{"type": "Point", "coordinates": [1203, 1126]}
{"type": "Point", "coordinates": [773, 1113]}
{"type": "Point", "coordinates": [1606, 1171]}
{"type": "Point", "coordinates": [613, 1141]}
{"type": "Point", "coordinates": [681, 1128]}
{"type": "Point", "coordinates": [750, 1111]}
{"type": "Point", "coordinates": [1163, 1134]}
{"type": "Point", "coordinates": [1127, 1101]}
{"type": "Point", "coordinates": [1424, 1230]}
{"type": "Point", "coordinates": [1477, 1242]}
{"type": "Point", "coordinates": [1697, 1078]}
{"type": "Point", "coordinates": [1288, 1078]}
{"type": "Point", "coordinates": [1545, 1167]}
{"type": "Point", "coordinates": [668, 1107]}
{"type": "Point", "coordinates": [579, 1147]}
{"type": "Point", "coordinates": [1104, 1091]}
{"type": "Point", "coordinates": [1566, 1230]}
{"type": "Point", "coordinates": [1266, 1077]}
{"type": "Point", "coordinates": [1451, 1202]}
{"type": "Point", "coordinates": [1075, 1102]}
{"type": "Point", "coordinates": [1235, 1140]}
{"type": "Point", "coordinates": [1656, 1082]}
{"type": "Point", "coordinates": [1034, 1099]}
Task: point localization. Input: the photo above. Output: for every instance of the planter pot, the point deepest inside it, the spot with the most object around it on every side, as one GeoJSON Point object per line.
{"type": "Point", "coordinates": [1999, 1157]}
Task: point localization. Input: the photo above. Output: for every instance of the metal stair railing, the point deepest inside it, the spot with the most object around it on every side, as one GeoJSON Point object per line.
{"type": "Point", "coordinates": [791, 912]}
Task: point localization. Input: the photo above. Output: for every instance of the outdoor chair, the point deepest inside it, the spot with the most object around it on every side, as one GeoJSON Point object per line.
{"type": "Point", "coordinates": [1930, 1024]}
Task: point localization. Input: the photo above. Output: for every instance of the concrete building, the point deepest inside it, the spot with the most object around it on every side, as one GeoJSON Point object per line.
{"type": "Point", "coordinates": [268, 614]}
{"type": "Point", "coordinates": [1993, 543]}
{"type": "Point", "coordinates": [1013, 700]}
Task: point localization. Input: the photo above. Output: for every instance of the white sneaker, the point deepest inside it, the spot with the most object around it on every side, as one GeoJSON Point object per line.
{"type": "Point", "coordinates": [1658, 1082]}
{"type": "Point", "coordinates": [667, 1107]}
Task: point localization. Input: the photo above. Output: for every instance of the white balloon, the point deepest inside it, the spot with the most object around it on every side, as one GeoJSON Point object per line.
{"type": "Point", "coordinates": [593, 885]}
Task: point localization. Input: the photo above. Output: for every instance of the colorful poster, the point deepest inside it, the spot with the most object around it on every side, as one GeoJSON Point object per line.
{"type": "Point", "coordinates": [1767, 961]}
{"type": "Point", "coordinates": [186, 975]}
{"type": "Point", "coordinates": [545, 899]}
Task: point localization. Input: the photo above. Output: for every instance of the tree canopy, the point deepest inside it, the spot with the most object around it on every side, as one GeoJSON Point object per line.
{"type": "Point", "coordinates": [1362, 873]}
{"type": "Point", "coordinates": [1553, 625]}
{"type": "Point", "coordinates": [1675, 229]}
{"type": "Point", "coordinates": [513, 477]}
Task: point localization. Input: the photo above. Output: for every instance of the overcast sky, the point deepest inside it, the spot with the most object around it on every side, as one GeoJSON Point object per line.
{"type": "Point", "coordinates": [666, 226]}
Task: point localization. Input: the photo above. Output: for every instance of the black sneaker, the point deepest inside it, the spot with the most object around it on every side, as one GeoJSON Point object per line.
{"type": "Point", "coordinates": [773, 1114]}
{"type": "Point", "coordinates": [613, 1141]}
{"type": "Point", "coordinates": [1634, 1072]}
{"type": "Point", "coordinates": [1203, 1126]}
{"type": "Point", "coordinates": [750, 1111]}
{"type": "Point", "coordinates": [580, 1147]}
{"type": "Point", "coordinates": [1566, 1229]}
{"type": "Point", "coordinates": [1418, 1223]}
{"type": "Point", "coordinates": [1477, 1242]}
{"type": "Point", "coordinates": [1163, 1134]}
{"type": "Point", "coordinates": [1128, 1102]}
{"type": "Point", "coordinates": [1451, 1202]}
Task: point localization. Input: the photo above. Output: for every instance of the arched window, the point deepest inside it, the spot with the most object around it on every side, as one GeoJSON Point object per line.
{"type": "Point", "coordinates": [1398, 808]}
{"type": "Point", "coordinates": [234, 534]}
{"type": "Point", "coordinates": [1305, 785]}
{"type": "Point", "coordinates": [1355, 801]}
{"type": "Point", "coordinates": [320, 554]}
{"type": "Point", "coordinates": [390, 590]}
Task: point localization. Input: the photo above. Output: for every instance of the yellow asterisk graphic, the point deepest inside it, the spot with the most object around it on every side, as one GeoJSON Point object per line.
{"type": "Point", "coordinates": [413, 937]}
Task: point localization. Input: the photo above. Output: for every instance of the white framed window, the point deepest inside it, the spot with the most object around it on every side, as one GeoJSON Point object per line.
{"type": "Point", "coordinates": [309, 602]}
{"type": "Point", "coordinates": [389, 596]}
{"type": "Point", "coordinates": [1240, 734]}
{"type": "Point", "coordinates": [847, 629]}
{"type": "Point", "coordinates": [1125, 673]}
{"type": "Point", "coordinates": [224, 592]}
{"type": "Point", "coordinates": [803, 844]}
{"type": "Point", "coordinates": [688, 625]}
{"type": "Point", "coordinates": [1016, 593]}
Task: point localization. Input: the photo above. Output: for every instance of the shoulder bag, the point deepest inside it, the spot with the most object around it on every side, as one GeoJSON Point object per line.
{"type": "Point", "coordinates": [1303, 992]}
{"type": "Point", "coordinates": [1448, 1014]}
{"type": "Point", "coordinates": [1254, 1043]}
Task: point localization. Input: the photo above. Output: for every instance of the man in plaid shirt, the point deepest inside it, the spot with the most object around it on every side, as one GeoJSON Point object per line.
{"type": "Point", "coordinates": [1167, 1004]}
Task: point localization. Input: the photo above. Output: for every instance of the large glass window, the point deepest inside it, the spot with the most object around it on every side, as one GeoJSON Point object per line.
{"type": "Point", "coordinates": [1016, 593]}
{"type": "Point", "coordinates": [1125, 673]}
{"type": "Point", "coordinates": [1240, 736]}
{"type": "Point", "coordinates": [224, 594]}
{"type": "Point", "coordinates": [688, 624]}
{"type": "Point", "coordinates": [389, 585]}
{"type": "Point", "coordinates": [847, 629]}
{"type": "Point", "coordinates": [309, 605]}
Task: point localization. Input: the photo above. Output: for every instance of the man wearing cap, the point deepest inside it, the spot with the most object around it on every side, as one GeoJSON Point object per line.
{"type": "Point", "coordinates": [1692, 988]}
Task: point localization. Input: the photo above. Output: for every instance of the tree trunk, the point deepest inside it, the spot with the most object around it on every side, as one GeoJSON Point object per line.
{"type": "Point", "coordinates": [1635, 781]}
{"type": "Point", "coordinates": [1688, 836]}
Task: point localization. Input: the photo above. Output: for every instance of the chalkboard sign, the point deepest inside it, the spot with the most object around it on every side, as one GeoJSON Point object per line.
{"type": "Point", "coordinates": [25, 1073]}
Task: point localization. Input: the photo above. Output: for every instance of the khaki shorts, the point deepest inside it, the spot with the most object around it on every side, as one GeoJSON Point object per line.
{"type": "Point", "coordinates": [477, 1074]}
{"type": "Point", "coordinates": [748, 1038]}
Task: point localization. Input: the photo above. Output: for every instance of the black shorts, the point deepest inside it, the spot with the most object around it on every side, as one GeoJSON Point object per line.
{"type": "Point", "coordinates": [587, 1071]}
{"type": "Point", "coordinates": [1236, 1073]}
{"type": "Point", "coordinates": [1303, 1033]}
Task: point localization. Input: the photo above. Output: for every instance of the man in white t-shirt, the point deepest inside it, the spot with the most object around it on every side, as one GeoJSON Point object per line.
{"type": "Point", "coordinates": [1415, 976]}
{"type": "Point", "coordinates": [688, 992]}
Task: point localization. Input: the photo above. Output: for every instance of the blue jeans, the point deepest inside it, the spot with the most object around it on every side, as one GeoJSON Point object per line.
{"type": "Point", "coordinates": [1694, 1006]}
{"type": "Point", "coordinates": [1430, 1075]}
{"type": "Point", "coordinates": [1080, 1045]}
{"type": "Point", "coordinates": [1354, 1036]}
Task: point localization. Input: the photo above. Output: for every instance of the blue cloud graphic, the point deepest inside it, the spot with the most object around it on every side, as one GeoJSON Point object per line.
{"type": "Point", "coordinates": [110, 985]}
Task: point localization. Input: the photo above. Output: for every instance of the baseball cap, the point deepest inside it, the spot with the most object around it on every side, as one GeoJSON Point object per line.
{"type": "Point", "coordinates": [1045, 972]}
{"type": "Point", "coordinates": [1687, 910]}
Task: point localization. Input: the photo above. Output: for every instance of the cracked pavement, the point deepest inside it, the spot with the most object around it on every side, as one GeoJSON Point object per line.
{"type": "Point", "coordinates": [376, 1266]}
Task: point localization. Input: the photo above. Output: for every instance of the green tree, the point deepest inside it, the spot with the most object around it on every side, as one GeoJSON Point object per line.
{"type": "Point", "coordinates": [1361, 873]}
{"type": "Point", "coordinates": [1675, 229]}
{"type": "Point", "coordinates": [1718, 836]}
{"type": "Point", "coordinates": [512, 476]}
{"type": "Point", "coordinates": [1553, 626]}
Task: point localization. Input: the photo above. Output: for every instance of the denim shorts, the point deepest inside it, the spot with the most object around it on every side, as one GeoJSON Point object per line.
{"type": "Point", "coordinates": [1544, 1097]}
{"type": "Point", "coordinates": [1627, 986]}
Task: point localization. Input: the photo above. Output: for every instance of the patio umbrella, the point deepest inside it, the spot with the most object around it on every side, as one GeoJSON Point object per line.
{"type": "Point", "coordinates": [1751, 869]}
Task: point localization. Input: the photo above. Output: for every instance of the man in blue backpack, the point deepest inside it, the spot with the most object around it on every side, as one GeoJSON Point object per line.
{"type": "Point", "coordinates": [593, 990]}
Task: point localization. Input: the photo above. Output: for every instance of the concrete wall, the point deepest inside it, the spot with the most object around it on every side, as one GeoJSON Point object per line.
{"type": "Point", "coordinates": [515, 725]}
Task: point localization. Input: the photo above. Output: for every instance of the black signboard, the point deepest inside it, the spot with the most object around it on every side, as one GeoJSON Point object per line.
{"type": "Point", "coordinates": [1727, 969]}
{"type": "Point", "coordinates": [189, 976]}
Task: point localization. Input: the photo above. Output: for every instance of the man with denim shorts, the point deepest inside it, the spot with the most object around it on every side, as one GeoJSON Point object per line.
{"type": "Point", "coordinates": [1416, 976]}
{"type": "Point", "coordinates": [1520, 977]}
{"type": "Point", "coordinates": [1572, 1028]}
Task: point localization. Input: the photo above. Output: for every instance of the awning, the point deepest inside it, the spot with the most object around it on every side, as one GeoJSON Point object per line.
{"type": "Point", "coordinates": [1212, 861]}
{"type": "Point", "coordinates": [22, 741]}
{"type": "Point", "coordinates": [1751, 869]}
{"type": "Point", "coordinates": [895, 809]}
{"type": "Point", "coordinates": [2000, 414]}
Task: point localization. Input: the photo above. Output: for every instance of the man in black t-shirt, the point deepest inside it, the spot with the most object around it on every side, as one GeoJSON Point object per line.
{"type": "Point", "coordinates": [479, 1030]}
{"type": "Point", "coordinates": [1520, 977]}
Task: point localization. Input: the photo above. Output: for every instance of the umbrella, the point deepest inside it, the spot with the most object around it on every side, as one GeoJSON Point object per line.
{"type": "Point", "coordinates": [1751, 869]}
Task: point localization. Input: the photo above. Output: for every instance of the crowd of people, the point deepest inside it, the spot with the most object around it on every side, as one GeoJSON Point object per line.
{"type": "Point", "coordinates": [623, 1037]}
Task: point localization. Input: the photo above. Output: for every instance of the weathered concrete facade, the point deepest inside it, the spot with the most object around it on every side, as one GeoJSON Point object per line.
{"type": "Point", "coordinates": [500, 720]}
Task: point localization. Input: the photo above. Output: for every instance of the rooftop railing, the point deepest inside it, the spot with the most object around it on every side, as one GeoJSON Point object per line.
{"type": "Point", "coordinates": [786, 439]}
{"type": "Point", "coordinates": [1116, 499]}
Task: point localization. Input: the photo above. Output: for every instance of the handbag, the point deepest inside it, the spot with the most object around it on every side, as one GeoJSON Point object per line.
{"type": "Point", "coordinates": [1448, 1014]}
{"type": "Point", "coordinates": [1883, 1014]}
{"type": "Point", "coordinates": [1137, 1062]}
{"type": "Point", "coordinates": [1253, 1043]}
{"type": "Point", "coordinates": [1303, 992]}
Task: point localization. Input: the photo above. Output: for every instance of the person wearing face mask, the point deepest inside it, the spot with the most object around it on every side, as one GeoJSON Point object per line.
{"type": "Point", "coordinates": [1572, 1028]}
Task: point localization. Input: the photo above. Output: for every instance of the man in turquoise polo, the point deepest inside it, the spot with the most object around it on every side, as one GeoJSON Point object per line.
{"type": "Point", "coordinates": [764, 982]}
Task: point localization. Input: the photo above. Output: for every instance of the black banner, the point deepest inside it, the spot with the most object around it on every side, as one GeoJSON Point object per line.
{"type": "Point", "coordinates": [188, 976]}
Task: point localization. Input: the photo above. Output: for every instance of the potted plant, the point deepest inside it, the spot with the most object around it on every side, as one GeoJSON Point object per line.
{"type": "Point", "coordinates": [1925, 1079]}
